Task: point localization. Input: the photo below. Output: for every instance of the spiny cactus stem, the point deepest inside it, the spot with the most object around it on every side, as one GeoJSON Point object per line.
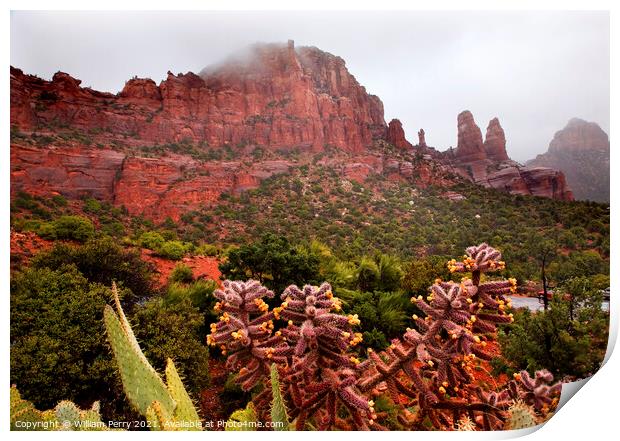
{"type": "Point", "coordinates": [475, 277]}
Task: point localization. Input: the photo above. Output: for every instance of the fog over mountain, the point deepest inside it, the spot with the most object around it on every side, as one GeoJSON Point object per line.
{"type": "Point", "coordinates": [532, 70]}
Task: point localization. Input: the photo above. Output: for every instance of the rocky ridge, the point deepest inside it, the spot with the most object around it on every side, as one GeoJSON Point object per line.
{"type": "Point", "coordinates": [160, 150]}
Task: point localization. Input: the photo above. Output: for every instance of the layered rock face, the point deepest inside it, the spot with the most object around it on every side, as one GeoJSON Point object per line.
{"type": "Point", "coordinates": [154, 187]}
{"type": "Point", "coordinates": [487, 163]}
{"type": "Point", "coordinates": [277, 98]}
{"type": "Point", "coordinates": [582, 151]}
{"type": "Point", "coordinates": [396, 135]}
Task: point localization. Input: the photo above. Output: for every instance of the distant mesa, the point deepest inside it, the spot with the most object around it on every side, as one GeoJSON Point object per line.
{"type": "Point", "coordinates": [579, 135]}
{"type": "Point", "coordinates": [582, 151]}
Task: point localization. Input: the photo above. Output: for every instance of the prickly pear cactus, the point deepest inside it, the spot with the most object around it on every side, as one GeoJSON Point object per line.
{"type": "Point", "coordinates": [65, 416]}
{"type": "Point", "coordinates": [167, 406]}
{"type": "Point", "coordinates": [520, 416]}
{"type": "Point", "coordinates": [242, 419]}
{"type": "Point", "coordinates": [279, 413]}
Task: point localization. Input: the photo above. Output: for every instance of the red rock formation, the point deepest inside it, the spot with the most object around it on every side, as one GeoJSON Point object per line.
{"type": "Point", "coordinates": [488, 163]}
{"type": "Point", "coordinates": [154, 187]}
{"type": "Point", "coordinates": [396, 135]}
{"type": "Point", "coordinates": [579, 135]}
{"type": "Point", "coordinates": [72, 171]}
{"type": "Point", "coordinates": [470, 146]}
{"type": "Point", "coordinates": [142, 91]}
{"type": "Point", "coordinates": [581, 150]}
{"type": "Point", "coordinates": [421, 139]}
{"type": "Point", "coordinates": [537, 181]}
{"type": "Point", "coordinates": [495, 142]}
{"type": "Point", "coordinates": [279, 98]}
{"type": "Point", "coordinates": [546, 182]}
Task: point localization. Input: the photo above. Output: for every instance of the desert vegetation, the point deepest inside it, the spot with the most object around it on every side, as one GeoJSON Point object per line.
{"type": "Point", "coordinates": [67, 253]}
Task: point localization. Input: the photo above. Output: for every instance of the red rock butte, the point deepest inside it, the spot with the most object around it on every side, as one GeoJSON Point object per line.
{"type": "Point", "coordinates": [582, 151]}
{"type": "Point", "coordinates": [279, 97]}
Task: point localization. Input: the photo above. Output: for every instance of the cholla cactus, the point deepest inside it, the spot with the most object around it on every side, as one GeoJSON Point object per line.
{"type": "Point", "coordinates": [438, 358]}
{"type": "Point", "coordinates": [245, 331]}
{"type": "Point", "coordinates": [536, 392]}
{"type": "Point", "coordinates": [431, 366]}
{"type": "Point", "coordinates": [323, 369]}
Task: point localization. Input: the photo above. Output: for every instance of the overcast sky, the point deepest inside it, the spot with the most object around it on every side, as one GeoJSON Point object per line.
{"type": "Point", "coordinates": [533, 70]}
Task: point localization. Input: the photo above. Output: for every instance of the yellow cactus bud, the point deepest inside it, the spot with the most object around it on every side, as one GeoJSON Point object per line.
{"type": "Point", "coordinates": [354, 320]}
{"type": "Point", "coordinates": [442, 390]}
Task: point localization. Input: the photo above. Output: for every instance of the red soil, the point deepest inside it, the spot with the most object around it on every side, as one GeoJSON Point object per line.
{"type": "Point", "coordinates": [25, 246]}
{"type": "Point", "coordinates": [211, 406]}
{"type": "Point", "coordinates": [203, 267]}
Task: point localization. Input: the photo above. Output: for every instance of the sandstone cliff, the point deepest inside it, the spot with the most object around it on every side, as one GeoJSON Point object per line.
{"type": "Point", "coordinates": [582, 151]}
{"type": "Point", "coordinates": [280, 98]}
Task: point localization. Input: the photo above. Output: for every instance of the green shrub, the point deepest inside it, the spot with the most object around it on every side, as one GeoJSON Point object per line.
{"type": "Point", "coordinates": [273, 261]}
{"type": "Point", "coordinates": [68, 227]}
{"type": "Point", "coordinates": [58, 349]}
{"type": "Point", "coordinates": [103, 261]}
{"type": "Point", "coordinates": [569, 339]}
{"type": "Point", "coordinates": [91, 206]}
{"type": "Point", "coordinates": [208, 250]}
{"type": "Point", "coordinates": [151, 240]}
{"type": "Point", "coordinates": [172, 249]}
{"type": "Point", "coordinates": [182, 273]}
{"type": "Point", "coordinates": [174, 331]}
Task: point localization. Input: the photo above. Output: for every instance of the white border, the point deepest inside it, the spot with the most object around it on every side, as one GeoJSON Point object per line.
{"type": "Point", "coordinates": [593, 414]}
